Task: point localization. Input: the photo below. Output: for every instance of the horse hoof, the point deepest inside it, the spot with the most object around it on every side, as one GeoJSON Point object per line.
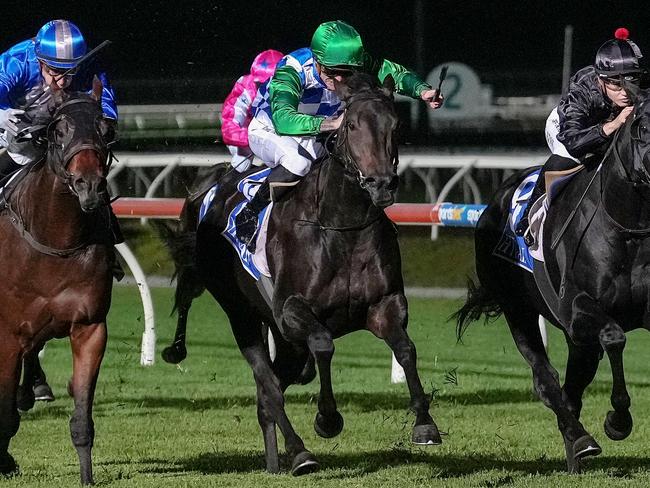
{"type": "Point", "coordinates": [43, 393]}
{"type": "Point", "coordinates": [328, 426]}
{"type": "Point", "coordinates": [618, 425]}
{"type": "Point", "coordinates": [426, 435]}
{"type": "Point", "coordinates": [174, 354]}
{"type": "Point", "coordinates": [585, 446]}
{"type": "Point", "coordinates": [304, 463]}
{"type": "Point", "coordinates": [8, 466]}
{"type": "Point", "coordinates": [24, 399]}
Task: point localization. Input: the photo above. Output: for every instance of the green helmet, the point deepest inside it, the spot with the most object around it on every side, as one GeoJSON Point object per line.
{"type": "Point", "coordinates": [336, 43]}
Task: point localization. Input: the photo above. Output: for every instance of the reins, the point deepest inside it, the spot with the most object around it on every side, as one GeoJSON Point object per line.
{"type": "Point", "coordinates": [337, 147]}
{"type": "Point", "coordinates": [63, 155]}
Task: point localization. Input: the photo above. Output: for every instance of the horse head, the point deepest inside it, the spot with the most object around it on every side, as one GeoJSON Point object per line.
{"type": "Point", "coordinates": [366, 141]}
{"type": "Point", "coordinates": [638, 131]}
{"type": "Point", "coordinates": [79, 139]}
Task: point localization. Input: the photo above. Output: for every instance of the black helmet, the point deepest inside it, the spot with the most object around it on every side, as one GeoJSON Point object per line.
{"type": "Point", "coordinates": [618, 57]}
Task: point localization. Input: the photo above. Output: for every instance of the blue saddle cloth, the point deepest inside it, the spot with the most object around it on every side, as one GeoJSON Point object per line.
{"type": "Point", "coordinates": [248, 186]}
{"type": "Point", "coordinates": [511, 247]}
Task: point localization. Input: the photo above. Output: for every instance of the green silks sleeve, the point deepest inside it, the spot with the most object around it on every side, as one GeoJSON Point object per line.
{"type": "Point", "coordinates": [406, 82]}
{"type": "Point", "coordinates": [285, 90]}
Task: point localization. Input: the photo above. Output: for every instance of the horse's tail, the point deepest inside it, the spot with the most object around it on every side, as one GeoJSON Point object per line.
{"type": "Point", "coordinates": [181, 244]}
{"type": "Point", "coordinates": [479, 302]}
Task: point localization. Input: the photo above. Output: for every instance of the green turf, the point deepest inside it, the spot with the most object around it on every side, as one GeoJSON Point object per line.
{"type": "Point", "coordinates": [195, 425]}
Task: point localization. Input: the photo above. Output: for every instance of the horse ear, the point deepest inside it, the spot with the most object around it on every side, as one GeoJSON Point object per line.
{"type": "Point", "coordinates": [388, 86]}
{"type": "Point", "coordinates": [57, 97]}
{"type": "Point", "coordinates": [98, 87]}
{"type": "Point", "coordinates": [342, 90]}
{"type": "Point", "coordinates": [635, 93]}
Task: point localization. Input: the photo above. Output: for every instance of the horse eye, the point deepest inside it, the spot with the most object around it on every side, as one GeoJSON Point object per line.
{"type": "Point", "coordinates": [351, 126]}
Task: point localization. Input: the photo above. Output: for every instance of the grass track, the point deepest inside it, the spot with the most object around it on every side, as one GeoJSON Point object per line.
{"type": "Point", "coordinates": [196, 425]}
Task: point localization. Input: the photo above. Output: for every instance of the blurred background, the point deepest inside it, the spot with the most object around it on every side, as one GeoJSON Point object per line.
{"type": "Point", "coordinates": [173, 63]}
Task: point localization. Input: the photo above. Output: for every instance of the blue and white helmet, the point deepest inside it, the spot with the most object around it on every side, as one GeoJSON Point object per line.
{"type": "Point", "coordinates": [60, 44]}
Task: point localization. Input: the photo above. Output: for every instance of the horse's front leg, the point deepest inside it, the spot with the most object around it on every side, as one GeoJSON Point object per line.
{"type": "Point", "coordinates": [88, 345]}
{"type": "Point", "coordinates": [387, 320]}
{"type": "Point", "coordinates": [10, 366]}
{"type": "Point", "coordinates": [590, 322]}
{"type": "Point", "coordinates": [300, 324]}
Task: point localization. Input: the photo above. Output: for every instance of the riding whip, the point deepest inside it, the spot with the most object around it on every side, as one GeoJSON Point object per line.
{"type": "Point", "coordinates": [443, 75]}
{"type": "Point", "coordinates": [85, 58]}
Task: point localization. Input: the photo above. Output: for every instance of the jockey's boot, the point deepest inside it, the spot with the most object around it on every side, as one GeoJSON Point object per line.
{"type": "Point", "coordinates": [42, 391]}
{"type": "Point", "coordinates": [277, 184]}
{"type": "Point", "coordinates": [538, 191]}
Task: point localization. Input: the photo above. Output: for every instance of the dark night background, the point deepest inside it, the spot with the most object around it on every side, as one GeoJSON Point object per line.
{"type": "Point", "coordinates": [191, 51]}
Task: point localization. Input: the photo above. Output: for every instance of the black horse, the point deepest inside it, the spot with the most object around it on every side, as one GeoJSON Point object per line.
{"type": "Point", "coordinates": [597, 266]}
{"type": "Point", "coordinates": [334, 258]}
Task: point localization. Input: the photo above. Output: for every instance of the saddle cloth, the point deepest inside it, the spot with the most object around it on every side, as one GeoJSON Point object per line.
{"type": "Point", "coordinates": [254, 263]}
{"type": "Point", "coordinates": [513, 248]}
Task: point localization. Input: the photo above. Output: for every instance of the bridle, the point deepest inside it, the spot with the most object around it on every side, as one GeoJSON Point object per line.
{"type": "Point", "coordinates": [58, 158]}
{"type": "Point", "coordinates": [640, 177]}
{"type": "Point", "coordinates": [338, 149]}
{"type": "Point", "coordinates": [337, 143]}
{"type": "Point", "coordinates": [61, 153]}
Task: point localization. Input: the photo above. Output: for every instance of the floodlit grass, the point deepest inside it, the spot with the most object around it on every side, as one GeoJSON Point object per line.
{"type": "Point", "coordinates": [196, 425]}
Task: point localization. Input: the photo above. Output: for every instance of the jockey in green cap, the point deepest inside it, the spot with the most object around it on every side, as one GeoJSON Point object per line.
{"type": "Point", "coordinates": [298, 103]}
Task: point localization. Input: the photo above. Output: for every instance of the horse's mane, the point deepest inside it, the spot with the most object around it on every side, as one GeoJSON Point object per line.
{"type": "Point", "coordinates": [359, 83]}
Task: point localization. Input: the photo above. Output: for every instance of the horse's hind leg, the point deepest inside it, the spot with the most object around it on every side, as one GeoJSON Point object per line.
{"type": "Point", "coordinates": [387, 320]}
{"type": "Point", "coordinates": [88, 345]}
{"type": "Point", "coordinates": [10, 366]}
{"type": "Point", "coordinates": [301, 325]}
{"type": "Point", "coordinates": [578, 442]}
{"type": "Point", "coordinates": [177, 351]}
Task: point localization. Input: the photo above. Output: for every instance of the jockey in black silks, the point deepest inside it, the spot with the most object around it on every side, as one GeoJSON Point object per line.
{"type": "Point", "coordinates": [595, 106]}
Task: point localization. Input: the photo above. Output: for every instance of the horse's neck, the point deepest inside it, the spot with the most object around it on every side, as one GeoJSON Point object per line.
{"type": "Point", "coordinates": [49, 211]}
{"type": "Point", "coordinates": [340, 199]}
{"type": "Point", "coordinates": [627, 204]}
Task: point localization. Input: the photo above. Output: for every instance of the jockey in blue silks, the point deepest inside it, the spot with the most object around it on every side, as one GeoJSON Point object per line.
{"type": "Point", "coordinates": [28, 69]}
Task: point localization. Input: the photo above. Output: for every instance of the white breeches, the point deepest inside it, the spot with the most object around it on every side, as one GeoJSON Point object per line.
{"type": "Point", "coordinates": [295, 153]}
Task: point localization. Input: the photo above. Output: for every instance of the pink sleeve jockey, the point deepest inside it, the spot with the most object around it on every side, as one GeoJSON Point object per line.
{"type": "Point", "coordinates": [236, 115]}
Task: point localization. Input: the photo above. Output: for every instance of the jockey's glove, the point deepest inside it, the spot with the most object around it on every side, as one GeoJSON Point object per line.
{"type": "Point", "coordinates": [9, 120]}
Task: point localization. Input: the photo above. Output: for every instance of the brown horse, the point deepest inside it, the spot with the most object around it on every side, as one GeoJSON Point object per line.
{"type": "Point", "coordinates": [56, 256]}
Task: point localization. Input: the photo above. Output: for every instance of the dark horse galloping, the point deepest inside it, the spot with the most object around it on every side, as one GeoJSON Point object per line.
{"type": "Point", "coordinates": [56, 257]}
{"type": "Point", "coordinates": [335, 261]}
{"type": "Point", "coordinates": [599, 269]}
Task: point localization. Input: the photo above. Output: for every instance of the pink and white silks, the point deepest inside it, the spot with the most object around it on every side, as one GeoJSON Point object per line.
{"type": "Point", "coordinates": [236, 114]}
